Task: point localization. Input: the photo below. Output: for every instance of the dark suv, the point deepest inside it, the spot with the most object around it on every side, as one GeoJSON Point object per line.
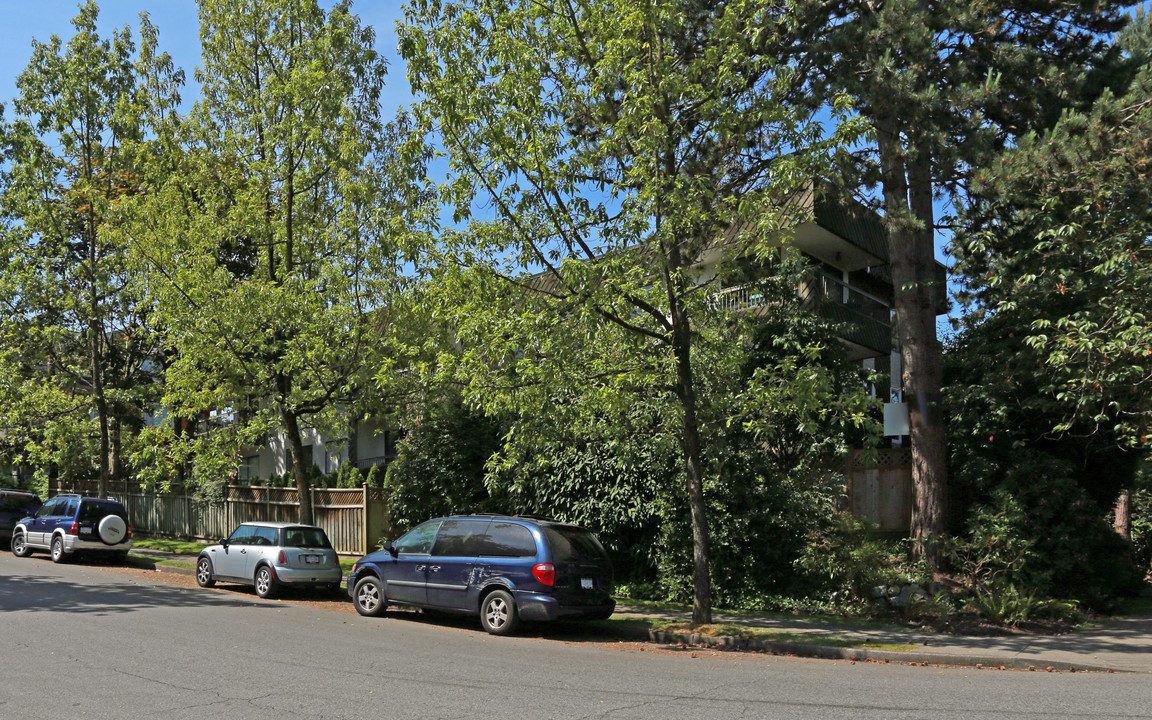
{"type": "Point", "coordinates": [15, 505]}
{"type": "Point", "coordinates": [68, 524]}
{"type": "Point", "coordinates": [502, 568]}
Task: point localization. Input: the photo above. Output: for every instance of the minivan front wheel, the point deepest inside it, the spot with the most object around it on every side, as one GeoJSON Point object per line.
{"type": "Point", "coordinates": [368, 596]}
{"type": "Point", "coordinates": [498, 613]}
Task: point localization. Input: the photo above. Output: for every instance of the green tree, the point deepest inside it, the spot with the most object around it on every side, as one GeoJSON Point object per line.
{"type": "Point", "coordinates": [1056, 261]}
{"type": "Point", "coordinates": [75, 325]}
{"type": "Point", "coordinates": [267, 235]}
{"type": "Point", "coordinates": [1058, 252]}
{"type": "Point", "coordinates": [630, 153]}
{"type": "Point", "coordinates": [944, 86]}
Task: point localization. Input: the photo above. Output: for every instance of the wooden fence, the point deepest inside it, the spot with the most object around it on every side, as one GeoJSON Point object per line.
{"type": "Point", "coordinates": [880, 488]}
{"type": "Point", "coordinates": [354, 519]}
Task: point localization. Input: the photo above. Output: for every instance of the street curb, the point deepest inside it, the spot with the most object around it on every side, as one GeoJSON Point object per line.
{"type": "Point", "coordinates": [825, 652]}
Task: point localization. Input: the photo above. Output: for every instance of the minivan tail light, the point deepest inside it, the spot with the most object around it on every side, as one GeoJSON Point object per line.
{"type": "Point", "coordinates": [128, 533]}
{"type": "Point", "coordinates": [545, 573]}
{"type": "Point", "coordinates": [282, 559]}
{"type": "Point", "coordinates": [74, 529]}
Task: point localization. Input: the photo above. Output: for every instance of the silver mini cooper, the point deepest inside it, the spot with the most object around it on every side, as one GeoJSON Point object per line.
{"type": "Point", "coordinates": [269, 555]}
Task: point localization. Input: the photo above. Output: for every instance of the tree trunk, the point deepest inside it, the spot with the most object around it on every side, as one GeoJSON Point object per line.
{"type": "Point", "coordinates": [908, 213]}
{"type": "Point", "coordinates": [690, 444]}
{"type": "Point", "coordinates": [701, 574]}
{"type": "Point", "coordinates": [1123, 519]}
{"type": "Point", "coordinates": [299, 465]}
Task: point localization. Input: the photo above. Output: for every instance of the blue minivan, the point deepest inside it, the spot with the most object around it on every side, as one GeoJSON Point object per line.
{"type": "Point", "coordinates": [503, 568]}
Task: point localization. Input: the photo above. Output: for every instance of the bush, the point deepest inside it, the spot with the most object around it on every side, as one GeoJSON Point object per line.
{"type": "Point", "coordinates": [851, 560]}
{"type": "Point", "coordinates": [1046, 539]}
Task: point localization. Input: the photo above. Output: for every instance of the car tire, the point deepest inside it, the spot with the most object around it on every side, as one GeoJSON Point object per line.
{"type": "Point", "coordinates": [369, 598]}
{"type": "Point", "coordinates": [265, 582]}
{"type": "Point", "coordinates": [19, 546]}
{"type": "Point", "coordinates": [204, 573]}
{"type": "Point", "coordinates": [57, 549]}
{"type": "Point", "coordinates": [498, 613]}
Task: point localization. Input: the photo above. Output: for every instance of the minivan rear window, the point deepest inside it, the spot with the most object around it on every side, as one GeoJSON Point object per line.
{"type": "Point", "coordinates": [13, 501]}
{"type": "Point", "coordinates": [508, 540]}
{"type": "Point", "coordinates": [572, 543]}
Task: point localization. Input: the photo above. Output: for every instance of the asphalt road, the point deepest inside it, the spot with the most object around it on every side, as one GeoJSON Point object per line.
{"type": "Point", "coordinates": [83, 640]}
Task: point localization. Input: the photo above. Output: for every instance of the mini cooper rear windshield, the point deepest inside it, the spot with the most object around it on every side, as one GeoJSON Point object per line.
{"type": "Point", "coordinates": [305, 537]}
{"type": "Point", "coordinates": [573, 543]}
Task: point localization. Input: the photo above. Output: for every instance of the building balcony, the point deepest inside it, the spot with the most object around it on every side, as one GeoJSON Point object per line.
{"type": "Point", "coordinates": [867, 318]}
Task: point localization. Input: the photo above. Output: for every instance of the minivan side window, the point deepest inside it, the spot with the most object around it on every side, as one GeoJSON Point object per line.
{"type": "Point", "coordinates": [73, 503]}
{"type": "Point", "coordinates": [48, 509]}
{"type": "Point", "coordinates": [460, 538]}
{"type": "Point", "coordinates": [508, 540]}
{"type": "Point", "coordinates": [419, 540]}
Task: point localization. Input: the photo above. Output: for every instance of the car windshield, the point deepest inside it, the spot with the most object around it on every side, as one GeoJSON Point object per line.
{"type": "Point", "coordinates": [572, 543]}
{"type": "Point", "coordinates": [306, 538]}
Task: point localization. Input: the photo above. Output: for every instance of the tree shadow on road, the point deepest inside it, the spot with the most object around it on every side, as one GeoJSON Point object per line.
{"type": "Point", "coordinates": [33, 592]}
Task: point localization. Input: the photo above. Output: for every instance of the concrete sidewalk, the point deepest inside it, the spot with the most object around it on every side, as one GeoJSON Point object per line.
{"type": "Point", "coordinates": [1120, 645]}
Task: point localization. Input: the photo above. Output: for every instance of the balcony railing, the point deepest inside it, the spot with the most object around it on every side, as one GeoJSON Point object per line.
{"type": "Point", "coordinates": [825, 287]}
{"type": "Point", "coordinates": [819, 287]}
{"type": "Point", "coordinates": [867, 317]}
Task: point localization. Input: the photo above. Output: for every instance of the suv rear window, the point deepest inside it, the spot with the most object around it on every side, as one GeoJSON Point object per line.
{"type": "Point", "coordinates": [573, 543]}
{"type": "Point", "coordinates": [95, 510]}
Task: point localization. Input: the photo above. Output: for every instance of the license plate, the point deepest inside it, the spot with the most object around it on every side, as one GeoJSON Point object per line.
{"type": "Point", "coordinates": [85, 531]}
{"type": "Point", "coordinates": [312, 559]}
{"type": "Point", "coordinates": [585, 583]}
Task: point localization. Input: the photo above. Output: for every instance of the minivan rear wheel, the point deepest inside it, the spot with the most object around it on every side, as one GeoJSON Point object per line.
{"type": "Point", "coordinates": [498, 613]}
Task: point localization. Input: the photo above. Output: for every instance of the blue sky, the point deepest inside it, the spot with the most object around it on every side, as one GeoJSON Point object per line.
{"type": "Point", "coordinates": [21, 21]}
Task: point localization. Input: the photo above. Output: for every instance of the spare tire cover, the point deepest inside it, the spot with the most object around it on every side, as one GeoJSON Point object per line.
{"type": "Point", "coordinates": [112, 529]}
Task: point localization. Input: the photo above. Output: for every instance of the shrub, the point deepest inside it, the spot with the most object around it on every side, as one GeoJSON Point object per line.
{"type": "Point", "coordinates": [851, 560]}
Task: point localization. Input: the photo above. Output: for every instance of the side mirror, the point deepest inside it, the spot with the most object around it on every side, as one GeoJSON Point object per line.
{"type": "Point", "coordinates": [224, 542]}
{"type": "Point", "coordinates": [390, 548]}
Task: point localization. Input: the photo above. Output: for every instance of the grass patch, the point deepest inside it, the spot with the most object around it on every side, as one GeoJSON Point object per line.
{"type": "Point", "coordinates": [766, 634]}
{"type": "Point", "coordinates": [182, 547]}
{"type": "Point", "coordinates": [144, 560]}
